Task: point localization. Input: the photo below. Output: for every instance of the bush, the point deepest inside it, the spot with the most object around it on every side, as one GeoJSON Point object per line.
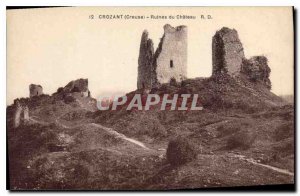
{"type": "Point", "coordinates": [180, 151]}
{"type": "Point", "coordinates": [77, 115]}
{"type": "Point", "coordinates": [141, 126]}
{"type": "Point", "coordinates": [60, 89]}
{"type": "Point", "coordinates": [229, 129]}
{"type": "Point", "coordinates": [173, 82]}
{"type": "Point", "coordinates": [242, 140]}
{"type": "Point", "coordinates": [69, 99]}
{"type": "Point", "coordinates": [284, 131]}
{"type": "Point", "coordinates": [75, 89]}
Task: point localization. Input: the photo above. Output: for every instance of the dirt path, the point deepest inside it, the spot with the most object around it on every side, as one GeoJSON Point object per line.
{"type": "Point", "coordinates": [216, 124]}
{"type": "Point", "coordinates": [110, 130]}
{"type": "Point", "coordinates": [35, 119]}
{"type": "Point", "coordinates": [250, 160]}
{"type": "Point", "coordinates": [119, 135]}
{"type": "Point", "coordinates": [61, 124]}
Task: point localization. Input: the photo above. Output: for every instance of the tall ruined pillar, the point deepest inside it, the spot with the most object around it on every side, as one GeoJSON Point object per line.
{"type": "Point", "coordinates": [145, 62]}
{"type": "Point", "coordinates": [17, 113]}
{"type": "Point", "coordinates": [227, 52]}
{"type": "Point", "coordinates": [25, 115]}
{"type": "Point", "coordinates": [21, 113]}
{"type": "Point", "coordinates": [169, 62]}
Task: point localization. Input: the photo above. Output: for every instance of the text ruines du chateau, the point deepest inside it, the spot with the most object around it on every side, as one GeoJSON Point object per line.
{"type": "Point", "coordinates": [141, 17]}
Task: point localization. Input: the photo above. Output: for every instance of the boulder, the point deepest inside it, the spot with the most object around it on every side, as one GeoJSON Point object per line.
{"type": "Point", "coordinates": [180, 151]}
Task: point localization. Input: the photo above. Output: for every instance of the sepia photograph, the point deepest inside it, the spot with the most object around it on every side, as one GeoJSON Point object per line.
{"type": "Point", "coordinates": [150, 98]}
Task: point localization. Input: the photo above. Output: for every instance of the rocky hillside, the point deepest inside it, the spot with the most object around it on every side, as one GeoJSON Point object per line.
{"type": "Point", "coordinates": [244, 135]}
{"type": "Point", "coordinates": [243, 130]}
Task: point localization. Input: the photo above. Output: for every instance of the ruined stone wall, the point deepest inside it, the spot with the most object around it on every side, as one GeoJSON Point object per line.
{"type": "Point", "coordinates": [170, 60]}
{"type": "Point", "coordinates": [227, 52]}
{"type": "Point", "coordinates": [35, 90]}
{"type": "Point", "coordinates": [21, 113]}
{"type": "Point", "coordinates": [257, 70]}
{"type": "Point", "coordinates": [25, 116]}
{"type": "Point", "coordinates": [17, 114]}
{"type": "Point", "coordinates": [79, 86]}
{"type": "Point", "coordinates": [145, 62]}
{"type": "Point", "coordinates": [228, 57]}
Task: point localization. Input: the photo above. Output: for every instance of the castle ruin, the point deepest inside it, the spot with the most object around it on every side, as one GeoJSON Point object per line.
{"type": "Point", "coordinates": [257, 69]}
{"type": "Point", "coordinates": [227, 52]}
{"type": "Point", "coordinates": [169, 62]}
{"type": "Point", "coordinates": [35, 90]}
{"type": "Point", "coordinates": [21, 113]}
{"type": "Point", "coordinates": [78, 86]}
{"type": "Point", "coordinates": [228, 58]}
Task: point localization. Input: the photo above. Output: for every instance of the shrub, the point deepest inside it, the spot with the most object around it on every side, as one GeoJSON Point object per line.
{"type": "Point", "coordinates": [77, 115]}
{"type": "Point", "coordinates": [180, 151]}
{"type": "Point", "coordinates": [75, 89]}
{"type": "Point", "coordinates": [242, 140]}
{"type": "Point", "coordinates": [60, 89]}
{"type": "Point", "coordinates": [229, 129]}
{"type": "Point", "coordinates": [284, 131]}
{"type": "Point", "coordinates": [69, 99]}
{"type": "Point", "coordinates": [173, 82]}
{"type": "Point", "coordinates": [141, 126]}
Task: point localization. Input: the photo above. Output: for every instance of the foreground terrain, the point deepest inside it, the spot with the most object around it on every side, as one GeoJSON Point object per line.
{"type": "Point", "coordinates": [244, 136]}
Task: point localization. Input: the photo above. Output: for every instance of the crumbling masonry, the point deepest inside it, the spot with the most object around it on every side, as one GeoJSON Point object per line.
{"type": "Point", "coordinates": [35, 90]}
{"type": "Point", "coordinates": [169, 62]}
{"type": "Point", "coordinates": [77, 86]}
{"type": "Point", "coordinates": [21, 113]}
{"type": "Point", "coordinates": [20, 106]}
{"type": "Point", "coordinates": [227, 52]}
{"type": "Point", "coordinates": [228, 57]}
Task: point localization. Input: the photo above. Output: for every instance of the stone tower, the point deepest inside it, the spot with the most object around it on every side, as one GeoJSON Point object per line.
{"type": "Point", "coordinates": [227, 52]}
{"type": "Point", "coordinates": [169, 60]}
{"type": "Point", "coordinates": [228, 57]}
{"type": "Point", "coordinates": [145, 62]}
{"type": "Point", "coordinates": [35, 90]}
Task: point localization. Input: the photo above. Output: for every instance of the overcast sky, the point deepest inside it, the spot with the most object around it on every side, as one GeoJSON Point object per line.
{"type": "Point", "coordinates": [53, 46]}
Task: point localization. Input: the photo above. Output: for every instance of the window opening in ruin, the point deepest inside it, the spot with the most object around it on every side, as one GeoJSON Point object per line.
{"type": "Point", "coordinates": [171, 64]}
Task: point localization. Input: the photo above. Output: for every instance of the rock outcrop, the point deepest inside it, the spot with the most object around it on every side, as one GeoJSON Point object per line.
{"type": "Point", "coordinates": [227, 52]}
{"type": "Point", "coordinates": [35, 90]}
{"type": "Point", "coordinates": [169, 60]}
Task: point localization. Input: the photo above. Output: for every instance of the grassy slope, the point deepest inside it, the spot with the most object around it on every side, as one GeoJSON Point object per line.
{"type": "Point", "coordinates": [64, 151]}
